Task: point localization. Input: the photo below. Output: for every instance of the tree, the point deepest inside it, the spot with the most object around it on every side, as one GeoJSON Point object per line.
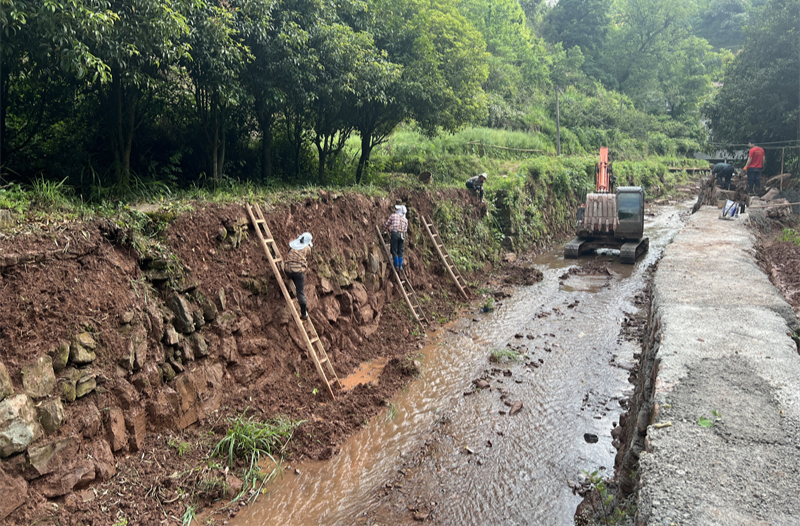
{"type": "Point", "coordinates": [760, 94]}
{"type": "Point", "coordinates": [582, 23]}
{"type": "Point", "coordinates": [214, 66]}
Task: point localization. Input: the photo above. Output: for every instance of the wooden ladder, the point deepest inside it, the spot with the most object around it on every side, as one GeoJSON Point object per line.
{"type": "Point", "coordinates": [403, 283]}
{"type": "Point", "coordinates": [444, 255]}
{"type": "Point", "coordinates": [307, 329]}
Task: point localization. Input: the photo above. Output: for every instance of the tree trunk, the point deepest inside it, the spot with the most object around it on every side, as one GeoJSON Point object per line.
{"type": "Point", "coordinates": [366, 150]}
{"type": "Point", "coordinates": [123, 118]}
{"type": "Point", "coordinates": [265, 116]}
{"type": "Point", "coordinates": [3, 97]}
{"type": "Point", "coordinates": [221, 155]}
{"type": "Point", "coordinates": [558, 126]}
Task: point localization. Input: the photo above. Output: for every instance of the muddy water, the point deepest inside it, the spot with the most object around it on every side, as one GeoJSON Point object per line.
{"type": "Point", "coordinates": [522, 478]}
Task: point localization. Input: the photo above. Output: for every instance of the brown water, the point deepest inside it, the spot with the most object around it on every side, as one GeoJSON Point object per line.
{"type": "Point", "coordinates": [522, 478]}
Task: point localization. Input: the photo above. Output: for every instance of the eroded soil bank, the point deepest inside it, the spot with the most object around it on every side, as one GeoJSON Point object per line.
{"type": "Point", "coordinates": [136, 354]}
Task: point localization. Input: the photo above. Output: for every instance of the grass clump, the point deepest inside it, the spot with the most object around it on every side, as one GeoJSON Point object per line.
{"type": "Point", "coordinates": [791, 235]}
{"type": "Point", "coordinates": [252, 441]}
{"type": "Point", "coordinates": [500, 355]}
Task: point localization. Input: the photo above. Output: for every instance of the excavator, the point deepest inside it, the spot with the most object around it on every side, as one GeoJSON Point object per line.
{"type": "Point", "coordinates": [610, 219]}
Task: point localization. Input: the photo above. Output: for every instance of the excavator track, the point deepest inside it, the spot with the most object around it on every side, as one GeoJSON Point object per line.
{"type": "Point", "coordinates": [632, 250]}
{"type": "Point", "coordinates": [573, 248]}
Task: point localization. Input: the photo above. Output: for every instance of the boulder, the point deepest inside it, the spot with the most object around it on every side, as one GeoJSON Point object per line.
{"type": "Point", "coordinates": [125, 393]}
{"type": "Point", "coordinates": [53, 456]}
{"type": "Point", "coordinates": [233, 486]}
{"type": "Point", "coordinates": [52, 415]}
{"type": "Point", "coordinates": [210, 311]}
{"type": "Point", "coordinates": [85, 384]}
{"type": "Point", "coordinates": [102, 456]}
{"type": "Point", "coordinates": [167, 372]}
{"type": "Point", "coordinates": [198, 345]}
{"type": "Point", "coordinates": [86, 340]}
{"type": "Point", "coordinates": [153, 374]}
{"type": "Point", "coordinates": [140, 381]}
{"type": "Point", "coordinates": [138, 347]}
{"type": "Point", "coordinates": [66, 389]}
{"type": "Point", "coordinates": [78, 476]}
{"type": "Point", "coordinates": [60, 356]}
{"type": "Point", "coordinates": [6, 387]}
{"type": "Point", "coordinates": [115, 428]}
{"type": "Point", "coordinates": [171, 336]}
{"type": "Point", "coordinates": [80, 355]}
{"type": "Point", "coordinates": [229, 350]}
{"type": "Point", "coordinates": [359, 293]}
{"type": "Point", "coordinates": [156, 321]}
{"type": "Point", "coordinates": [19, 424]}
{"type": "Point", "coordinates": [198, 318]}
{"type": "Point", "coordinates": [221, 298]}
{"type": "Point", "coordinates": [38, 378]}
{"type": "Point", "coordinates": [325, 286]}
{"type": "Point", "coordinates": [14, 491]}
{"type": "Point", "coordinates": [346, 304]}
{"type": "Point", "coordinates": [126, 317]}
{"type": "Point", "coordinates": [136, 424]}
{"type": "Point", "coordinates": [90, 421]}
{"type": "Point", "coordinates": [331, 308]}
{"type": "Point", "coordinates": [184, 323]}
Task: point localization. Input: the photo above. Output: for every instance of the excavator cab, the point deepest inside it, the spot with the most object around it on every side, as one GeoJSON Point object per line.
{"type": "Point", "coordinates": [609, 218]}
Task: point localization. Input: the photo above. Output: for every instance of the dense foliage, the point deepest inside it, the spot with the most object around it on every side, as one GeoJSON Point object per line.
{"type": "Point", "coordinates": [109, 96]}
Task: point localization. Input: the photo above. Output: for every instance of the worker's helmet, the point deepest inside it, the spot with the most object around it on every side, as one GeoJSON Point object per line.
{"type": "Point", "coordinates": [484, 176]}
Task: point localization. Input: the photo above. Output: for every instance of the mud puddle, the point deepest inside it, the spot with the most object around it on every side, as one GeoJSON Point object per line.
{"type": "Point", "coordinates": [449, 453]}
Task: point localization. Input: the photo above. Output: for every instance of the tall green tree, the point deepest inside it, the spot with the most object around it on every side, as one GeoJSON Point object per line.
{"type": "Point", "coordinates": [760, 93]}
{"type": "Point", "coordinates": [582, 23]}
{"type": "Point", "coordinates": [216, 61]}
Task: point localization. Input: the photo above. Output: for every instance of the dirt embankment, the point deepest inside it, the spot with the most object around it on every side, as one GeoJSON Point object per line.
{"type": "Point", "coordinates": [134, 363]}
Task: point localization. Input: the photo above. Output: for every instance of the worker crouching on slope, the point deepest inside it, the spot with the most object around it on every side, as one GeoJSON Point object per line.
{"type": "Point", "coordinates": [296, 265]}
{"type": "Point", "coordinates": [476, 184]}
{"type": "Point", "coordinates": [723, 172]}
{"type": "Point", "coordinates": [397, 226]}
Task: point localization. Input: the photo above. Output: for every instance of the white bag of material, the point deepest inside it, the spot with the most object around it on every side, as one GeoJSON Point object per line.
{"type": "Point", "coordinates": [730, 209]}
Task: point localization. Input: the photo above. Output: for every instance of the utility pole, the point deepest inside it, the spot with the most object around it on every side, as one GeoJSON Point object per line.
{"type": "Point", "coordinates": [558, 126]}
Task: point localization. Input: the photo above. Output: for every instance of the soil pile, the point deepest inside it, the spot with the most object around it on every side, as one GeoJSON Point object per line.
{"type": "Point", "coordinates": [140, 351]}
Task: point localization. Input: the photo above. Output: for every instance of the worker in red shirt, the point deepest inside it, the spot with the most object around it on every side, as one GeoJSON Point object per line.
{"type": "Point", "coordinates": [755, 162]}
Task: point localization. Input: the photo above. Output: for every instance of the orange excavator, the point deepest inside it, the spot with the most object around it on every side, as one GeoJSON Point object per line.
{"type": "Point", "coordinates": [610, 218]}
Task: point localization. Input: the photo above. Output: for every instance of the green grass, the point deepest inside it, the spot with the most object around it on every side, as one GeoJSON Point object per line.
{"type": "Point", "coordinates": [501, 355]}
{"type": "Point", "coordinates": [791, 235]}
{"type": "Point", "coordinates": [252, 441]}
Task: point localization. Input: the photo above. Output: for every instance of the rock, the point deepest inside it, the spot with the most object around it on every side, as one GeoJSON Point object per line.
{"type": "Point", "coordinates": [38, 378]}
{"type": "Point", "coordinates": [85, 385]}
{"type": "Point", "coordinates": [482, 384]}
{"type": "Point", "coordinates": [90, 421]}
{"type": "Point", "coordinates": [138, 347]}
{"type": "Point", "coordinates": [198, 345]}
{"type": "Point", "coordinates": [60, 356]}
{"type": "Point", "coordinates": [325, 286]}
{"type": "Point", "coordinates": [52, 415]}
{"type": "Point", "coordinates": [103, 458]}
{"type": "Point", "coordinates": [126, 395]}
{"type": "Point", "coordinates": [229, 350]}
{"type": "Point", "coordinates": [167, 372]}
{"type": "Point", "coordinates": [221, 298]}
{"type": "Point", "coordinates": [156, 321]}
{"type": "Point", "coordinates": [140, 381]}
{"type": "Point", "coordinates": [14, 491]}
{"type": "Point", "coordinates": [359, 294]}
{"type": "Point", "coordinates": [115, 428]}
{"type": "Point", "coordinates": [153, 374]}
{"type": "Point", "coordinates": [346, 304]}
{"type": "Point", "coordinates": [19, 424]}
{"type": "Point", "coordinates": [136, 424]}
{"type": "Point", "coordinates": [50, 457]}
{"type": "Point", "coordinates": [184, 323]}
{"type": "Point", "coordinates": [198, 318]}
{"type": "Point", "coordinates": [66, 389]}
{"type": "Point", "coordinates": [590, 438]}
{"type": "Point", "coordinates": [210, 311]}
{"type": "Point", "coordinates": [6, 387]}
{"type": "Point", "coordinates": [80, 355]}
{"type": "Point", "coordinates": [78, 476]}
{"type": "Point", "coordinates": [126, 317]}
{"type": "Point", "coordinates": [331, 308]}
{"type": "Point", "coordinates": [86, 340]}
{"type": "Point", "coordinates": [421, 515]}
{"type": "Point", "coordinates": [171, 336]}
{"type": "Point", "coordinates": [233, 486]}
{"type": "Point", "coordinates": [516, 408]}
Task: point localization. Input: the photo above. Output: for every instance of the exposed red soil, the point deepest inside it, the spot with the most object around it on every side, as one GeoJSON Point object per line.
{"type": "Point", "coordinates": [781, 261]}
{"type": "Point", "coordinates": [81, 276]}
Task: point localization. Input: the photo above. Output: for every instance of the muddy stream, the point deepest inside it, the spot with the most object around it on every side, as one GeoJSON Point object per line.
{"type": "Point", "coordinates": [488, 467]}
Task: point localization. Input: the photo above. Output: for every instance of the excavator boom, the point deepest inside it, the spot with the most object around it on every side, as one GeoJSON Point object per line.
{"type": "Point", "coordinates": [602, 184]}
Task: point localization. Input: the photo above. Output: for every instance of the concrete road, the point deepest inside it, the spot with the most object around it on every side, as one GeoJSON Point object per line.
{"type": "Point", "coordinates": [721, 350]}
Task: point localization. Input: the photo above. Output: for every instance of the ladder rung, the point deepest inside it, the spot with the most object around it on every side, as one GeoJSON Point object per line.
{"type": "Point", "coordinates": [259, 221]}
{"type": "Point", "coordinates": [325, 359]}
{"type": "Point", "coordinates": [269, 240]}
{"type": "Point", "coordinates": [277, 260]}
{"type": "Point", "coordinates": [314, 340]}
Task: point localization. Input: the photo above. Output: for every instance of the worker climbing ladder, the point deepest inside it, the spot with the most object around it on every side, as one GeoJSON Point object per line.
{"type": "Point", "coordinates": [403, 283]}
{"type": "Point", "coordinates": [445, 256]}
{"type": "Point", "coordinates": [306, 328]}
